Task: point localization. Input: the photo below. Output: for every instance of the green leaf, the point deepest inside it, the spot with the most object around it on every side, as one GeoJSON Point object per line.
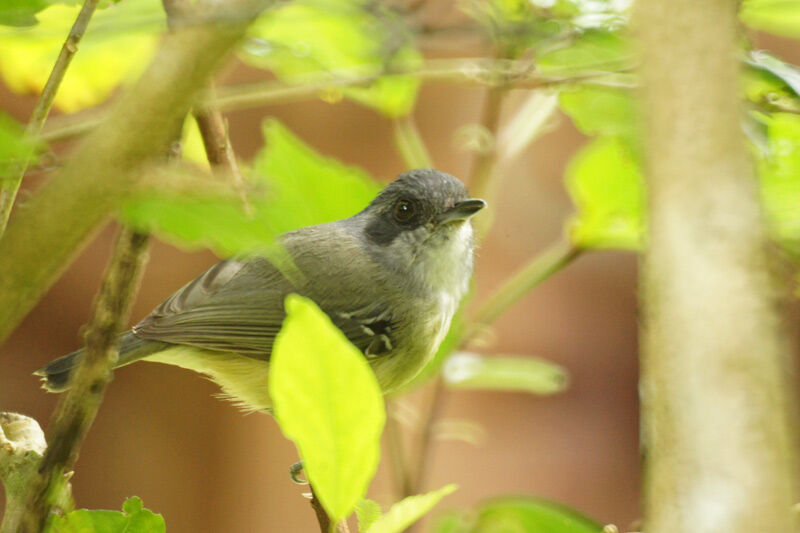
{"type": "Point", "coordinates": [591, 51]}
{"type": "Point", "coordinates": [404, 513]}
{"type": "Point", "coordinates": [780, 179]}
{"type": "Point", "coordinates": [465, 370]}
{"type": "Point", "coordinates": [15, 147]}
{"type": "Point", "coordinates": [517, 514]}
{"type": "Point", "coordinates": [327, 400]}
{"type": "Point", "coordinates": [117, 46]}
{"type": "Point", "coordinates": [602, 111]}
{"type": "Point", "coordinates": [315, 41]}
{"type": "Point", "coordinates": [781, 17]}
{"type": "Point", "coordinates": [367, 511]}
{"type": "Point", "coordinates": [788, 74]}
{"type": "Point", "coordinates": [133, 519]}
{"type": "Point", "coordinates": [607, 188]}
{"type": "Point", "coordinates": [20, 12]}
{"type": "Point", "coordinates": [294, 187]}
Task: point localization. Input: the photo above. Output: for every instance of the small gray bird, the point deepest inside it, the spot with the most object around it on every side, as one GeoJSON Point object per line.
{"type": "Point", "coordinates": [390, 277]}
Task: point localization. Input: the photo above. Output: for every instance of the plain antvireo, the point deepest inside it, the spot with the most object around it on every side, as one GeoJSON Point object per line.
{"type": "Point", "coordinates": [390, 277]}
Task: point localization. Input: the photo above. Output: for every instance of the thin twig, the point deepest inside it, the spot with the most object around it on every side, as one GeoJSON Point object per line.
{"type": "Point", "coordinates": [409, 143]}
{"type": "Point", "coordinates": [397, 458]}
{"type": "Point", "coordinates": [10, 186]}
{"type": "Point", "coordinates": [485, 161]}
{"type": "Point", "coordinates": [40, 241]}
{"type": "Point", "coordinates": [77, 409]}
{"type": "Point", "coordinates": [471, 72]}
{"type": "Point", "coordinates": [210, 122]}
{"type": "Point", "coordinates": [537, 270]}
{"type": "Point", "coordinates": [322, 516]}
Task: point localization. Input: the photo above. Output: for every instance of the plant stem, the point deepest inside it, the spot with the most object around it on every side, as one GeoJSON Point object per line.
{"type": "Point", "coordinates": [257, 94]}
{"type": "Point", "coordinates": [43, 237]}
{"type": "Point", "coordinates": [483, 167]}
{"type": "Point", "coordinates": [210, 122]}
{"type": "Point", "coordinates": [322, 516]}
{"type": "Point", "coordinates": [537, 270]}
{"type": "Point", "coordinates": [397, 458]}
{"type": "Point", "coordinates": [10, 185]}
{"type": "Point", "coordinates": [409, 143]}
{"type": "Point", "coordinates": [719, 424]}
{"type": "Point", "coordinates": [77, 409]}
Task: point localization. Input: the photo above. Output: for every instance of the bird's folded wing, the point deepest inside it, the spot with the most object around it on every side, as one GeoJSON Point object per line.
{"type": "Point", "coordinates": [238, 306]}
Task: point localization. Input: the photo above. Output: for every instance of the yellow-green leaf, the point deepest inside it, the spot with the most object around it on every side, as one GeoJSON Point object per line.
{"type": "Point", "coordinates": [133, 519]}
{"type": "Point", "coordinates": [464, 370]}
{"type": "Point", "coordinates": [606, 185]}
{"type": "Point", "coordinates": [118, 44]}
{"type": "Point", "coordinates": [315, 41]}
{"type": "Point", "coordinates": [292, 186]}
{"type": "Point", "coordinates": [404, 513]}
{"type": "Point", "coordinates": [367, 511]}
{"type": "Point", "coordinates": [519, 513]}
{"type": "Point", "coordinates": [781, 17]}
{"type": "Point", "coordinates": [327, 400]}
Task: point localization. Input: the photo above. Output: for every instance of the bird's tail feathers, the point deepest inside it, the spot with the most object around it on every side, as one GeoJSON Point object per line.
{"type": "Point", "coordinates": [56, 375]}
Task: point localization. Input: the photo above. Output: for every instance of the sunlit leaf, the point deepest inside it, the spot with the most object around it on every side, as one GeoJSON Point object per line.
{"type": "Point", "coordinates": [404, 513]}
{"type": "Point", "coordinates": [367, 511]}
{"type": "Point", "coordinates": [327, 400]}
{"type": "Point", "coordinates": [607, 188]}
{"type": "Point", "coordinates": [293, 187]}
{"type": "Point", "coordinates": [780, 179]}
{"type": "Point", "coordinates": [464, 370]}
{"type": "Point", "coordinates": [317, 40]}
{"type": "Point", "coordinates": [133, 519]}
{"type": "Point", "coordinates": [602, 111]}
{"type": "Point", "coordinates": [118, 44]}
{"type": "Point", "coordinates": [20, 12]}
{"type": "Point", "coordinates": [504, 515]}
{"type": "Point", "coordinates": [788, 74]}
{"type": "Point", "coordinates": [592, 51]}
{"type": "Point", "coordinates": [781, 17]}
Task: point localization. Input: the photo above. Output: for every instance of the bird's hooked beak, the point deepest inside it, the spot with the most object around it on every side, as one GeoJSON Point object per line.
{"type": "Point", "coordinates": [462, 210]}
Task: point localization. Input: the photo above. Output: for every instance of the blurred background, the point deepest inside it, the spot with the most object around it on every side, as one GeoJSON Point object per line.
{"type": "Point", "coordinates": [205, 466]}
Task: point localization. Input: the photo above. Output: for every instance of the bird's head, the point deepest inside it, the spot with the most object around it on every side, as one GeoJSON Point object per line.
{"type": "Point", "coordinates": [419, 226]}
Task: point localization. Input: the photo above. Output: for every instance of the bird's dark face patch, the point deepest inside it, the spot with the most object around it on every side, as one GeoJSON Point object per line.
{"type": "Point", "coordinates": [415, 199]}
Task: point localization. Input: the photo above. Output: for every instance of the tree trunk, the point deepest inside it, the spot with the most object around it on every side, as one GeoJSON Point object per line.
{"type": "Point", "coordinates": [718, 435]}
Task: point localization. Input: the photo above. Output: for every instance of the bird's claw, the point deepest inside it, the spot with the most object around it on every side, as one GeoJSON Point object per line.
{"type": "Point", "coordinates": [294, 472]}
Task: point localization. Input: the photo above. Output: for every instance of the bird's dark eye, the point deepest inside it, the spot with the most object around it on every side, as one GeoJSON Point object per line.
{"type": "Point", "coordinates": [404, 211]}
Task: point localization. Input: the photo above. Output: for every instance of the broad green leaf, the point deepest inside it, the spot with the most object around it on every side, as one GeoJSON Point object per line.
{"type": "Point", "coordinates": [781, 17]}
{"type": "Point", "coordinates": [607, 188]}
{"type": "Point", "coordinates": [14, 146]}
{"type": "Point", "coordinates": [404, 513]}
{"type": "Point", "coordinates": [522, 514]}
{"type": "Point", "coordinates": [20, 12]}
{"type": "Point", "coordinates": [367, 511]}
{"type": "Point", "coordinates": [464, 370]}
{"type": "Point", "coordinates": [788, 74]}
{"type": "Point", "coordinates": [293, 187]}
{"type": "Point", "coordinates": [592, 51]}
{"type": "Point", "coordinates": [780, 179]}
{"type": "Point", "coordinates": [602, 111]}
{"type": "Point", "coordinates": [327, 400]}
{"type": "Point", "coordinates": [314, 41]}
{"type": "Point", "coordinates": [133, 519]}
{"type": "Point", "coordinates": [118, 44]}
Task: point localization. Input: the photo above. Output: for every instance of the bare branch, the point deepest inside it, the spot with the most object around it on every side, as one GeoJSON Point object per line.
{"type": "Point", "coordinates": [76, 410]}
{"type": "Point", "coordinates": [58, 220]}
{"type": "Point", "coordinates": [10, 185]}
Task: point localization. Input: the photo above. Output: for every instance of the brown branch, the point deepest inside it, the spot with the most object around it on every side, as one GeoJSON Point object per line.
{"type": "Point", "coordinates": [77, 409]}
{"type": "Point", "coordinates": [59, 219]}
{"type": "Point", "coordinates": [322, 516]}
{"type": "Point", "coordinates": [467, 71]}
{"type": "Point", "coordinates": [718, 415]}
{"type": "Point", "coordinates": [10, 185]}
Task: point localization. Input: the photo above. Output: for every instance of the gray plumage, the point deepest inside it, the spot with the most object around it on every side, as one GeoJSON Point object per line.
{"type": "Point", "coordinates": [390, 277]}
